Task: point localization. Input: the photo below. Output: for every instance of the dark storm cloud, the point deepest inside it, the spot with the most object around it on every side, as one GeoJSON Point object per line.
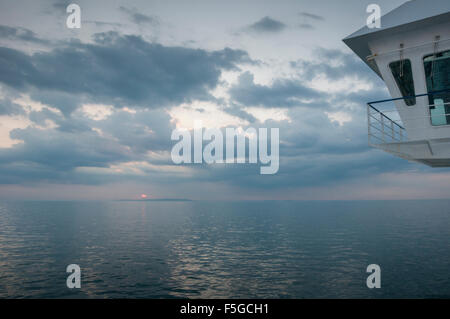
{"type": "Point", "coordinates": [140, 132]}
{"type": "Point", "coordinates": [237, 110]}
{"type": "Point", "coordinates": [140, 18]}
{"type": "Point", "coordinates": [66, 102]}
{"type": "Point", "coordinates": [309, 157]}
{"type": "Point", "coordinates": [126, 70]}
{"type": "Point", "coordinates": [21, 34]}
{"type": "Point", "coordinates": [293, 92]}
{"type": "Point", "coordinates": [9, 108]}
{"type": "Point", "coordinates": [118, 70]}
{"type": "Point", "coordinates": [315, 151]}
{"type": "Point", "coordinates": [61, 151]}
{"type": "Point", "coordinates": [267, 24]}
{"type": "Point", "coordinates": [307, 171]}
{"type": "Point", "coordinates": [59, 6]}
{"type": "Point", "coordinates": [143, 131]}
{"type": "Point", "coordinates": [282, 93]}
{"type": "Point", "coordinates": [53, 155]}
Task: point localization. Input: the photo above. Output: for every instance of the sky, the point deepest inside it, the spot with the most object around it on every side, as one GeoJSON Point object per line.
{"type": "Point", "coordinates": [87, 114]}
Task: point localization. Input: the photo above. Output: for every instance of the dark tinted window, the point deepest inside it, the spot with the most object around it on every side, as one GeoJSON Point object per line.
{"type": "Point", "coordinates": [402, 72]}
{"type": "Point", "coordinates": [437, 72]}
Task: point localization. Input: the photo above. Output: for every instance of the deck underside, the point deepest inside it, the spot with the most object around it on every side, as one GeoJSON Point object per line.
{"type": "Point", "coordinates": [434, 153]}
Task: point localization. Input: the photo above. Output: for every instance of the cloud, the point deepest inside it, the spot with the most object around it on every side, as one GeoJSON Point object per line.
{"type": "Point", "coordinates": [267, 25]}
{"type": "Point", "coordinates": [58, 7]}
{"type": "Point", "coordinates": [96, 139]}
{"type": "Point", "coordinates": [282, 93]}
{"type": "Point", "coordinates": [19, 33]}
{"type": "Point", "coordinates": [61, 5]}
{"type": "Point", "coordinates": [336, 72]}
{"type": "Point", "coordinates": [334, 63]}
{"type": "Point", "coordinates": [312, 16]}
{"type": "Point", "coordinates": [140, 18]}
{"type": "Point", "coordinates": [9, 108]}
{"type": "Point", "coordinates": [103, 23]}
{"type": "Point", "coordinates": [238, 111]}
{"type": "Point", "coordinates": [308, 20]}
{"type": "Point", "coordinates": [324, 136]}
{"type": "Point", "coordinates": [56, 154]}
{"type": "Point", "coordinates": [117, 70]}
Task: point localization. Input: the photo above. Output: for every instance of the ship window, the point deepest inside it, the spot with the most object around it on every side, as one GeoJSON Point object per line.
{"type": "Point", "coordinates": [437, 72]}
{"type": "Point", "coordinates": [402, 72]}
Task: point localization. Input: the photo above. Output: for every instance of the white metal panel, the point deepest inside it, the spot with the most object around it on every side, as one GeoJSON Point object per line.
{"type": "Point", "coordinates": [418, 44]}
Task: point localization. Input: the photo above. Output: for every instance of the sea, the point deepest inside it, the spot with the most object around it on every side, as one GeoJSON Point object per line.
{"type": "Point", "coordinates": [225, 249]}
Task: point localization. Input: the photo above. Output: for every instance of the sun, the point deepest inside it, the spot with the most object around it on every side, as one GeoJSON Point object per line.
{"type": "Point", "coordinates": [143, 196]}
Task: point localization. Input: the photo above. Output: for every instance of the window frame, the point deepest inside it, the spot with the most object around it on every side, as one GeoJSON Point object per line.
{"type": "Point", "coordinates": [426, 88]}
{"type": "Point", "coordinates": [398, 86]}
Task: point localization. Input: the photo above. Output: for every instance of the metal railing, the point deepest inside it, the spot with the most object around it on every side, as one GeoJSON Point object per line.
{"type": "Point", "coordinates": [384, 129]}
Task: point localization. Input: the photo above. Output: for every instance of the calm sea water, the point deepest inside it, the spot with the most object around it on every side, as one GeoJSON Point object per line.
{"type": "Point", "coordinates": [267, 249]}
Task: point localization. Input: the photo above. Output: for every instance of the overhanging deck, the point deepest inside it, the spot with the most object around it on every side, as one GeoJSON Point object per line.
{"type": "Point", "coordinates": [434, 153]}
{"type": "Point", "coordinates": [388, 134]}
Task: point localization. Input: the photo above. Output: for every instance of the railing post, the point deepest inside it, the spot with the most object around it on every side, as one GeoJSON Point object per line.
{"type": "Point", "coordinates": [382, 127]}
{"type": "Point", "coordinates": [368, 124]}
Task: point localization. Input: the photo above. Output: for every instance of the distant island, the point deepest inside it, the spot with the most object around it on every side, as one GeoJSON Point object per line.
{"type": "Point", "coordinates": [156, 200]}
